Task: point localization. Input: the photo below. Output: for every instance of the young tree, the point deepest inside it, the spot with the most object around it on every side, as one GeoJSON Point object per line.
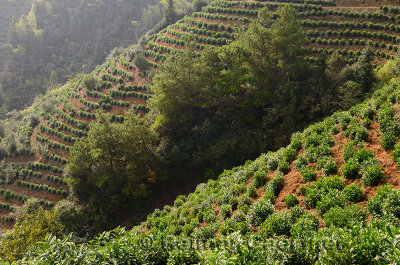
{"type": "Point", "coordinates": [90, 82]}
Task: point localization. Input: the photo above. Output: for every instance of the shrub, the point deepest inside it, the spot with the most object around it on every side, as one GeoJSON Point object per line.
{"type": "Point", "coordinates": [375, 205]}
{"type": "Point", "coordinates": [328, 166]}
{"type": "Point", "coordinates": [259, 211]}
{"type": "Point", "coordinates": [351, 169]}
{"type": "Point", "coordinates": [345, 217]}
{"type": "Point", "coordinates": [276, 184]}
{"type": "Point", "coordinates": [259, 178]}
{"type": "Point", "coordinates": [296, 212]}
{"type": "Point", "coordinates": [205, 232]}
{"type": "Point", "coordinates": [349, 151]}
{"type": "Point", "coordinates": [244, 200]}
{"type": "Point", "coordinates": [234, 202]}
{"type": "Point", "coordinates": [353, 193]}
{"type": "Point", "coordinates": [291, 200]}
{"type": "Point", "coordinates": [388, 140]}
{"type": "Point", "coordinates": [272, 160]}
{"type": "Point", "coordinates": [225, 211]}
{"type": "Point", "coordinates": [391, 204]}
{"type": "Point", "coordinates": [308, 174]}
{"type": "Point", "coordinates": [283, 167]}
{"type": "Point", "coordinates": [252, 191]}
{"type": "Point", "coordinates": [372, 175]}
{"type": "Point", "coordinates": [301, 161]}
{"type": "Point", "coordinates": [363, 155]}
{"type": "Point", "coordinates": [297, 141]}
{"type": "Point", "coordinates": [304, 228]}
{"type": "Point", "coordinates": [332, 199]}
{"type": "Point", "coordinates": [277, 224]}
{"type": "Point", "coordinates": [396, 154]}
{"type": "Point", "coordinates": [289, 154]}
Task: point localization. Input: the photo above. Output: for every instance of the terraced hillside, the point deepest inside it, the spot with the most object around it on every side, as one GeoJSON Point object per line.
{"type": "Point", "coordinates": [122, 86]}
{"type": "Point", "coordinates": [330, 197]}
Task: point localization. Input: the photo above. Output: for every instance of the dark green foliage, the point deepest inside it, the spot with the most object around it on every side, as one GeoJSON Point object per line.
{"type": "Point", "coordinates": [328, 165]}
{"type": "Point", "coordinates": [277, 224]}
{"type": "Point", "coordinates": [291, 200]}
{"type": "Point", "coordinates": [63, 38]}
{"type": "Point", "coordinates": [301, 161]}
{"type": "Point", "coordinates": [349, 151]}
{"type": "Point", "coordinates": [375, 205]}
{"type": "Point", "coordinates": [289, 154]}
{"type": "Point", "coordinates": [333, 198]}
{"type": "Point", "coordinates": [326, 188]}
{"type": "Point", "coordinates": [202, 119]}
{"type": "Point", "coordinates": [284, 167]}
{"type": "Point", "coordinates": [345, 217]}
{"type": "Point", "coordinates": [259, 178]}
{"type": "Point", "coordinates": [259, 211]}
{"type": "Point", "coordinates": [308, 174]}
{"type": "Point", "coordinates": [304, 228]}
{"type": "Point", "coordinates": [275, 185]}
{"type": "Point", "coordinates": [351, 169]}
{"type": "Point", "coordinates": [372, 175]}
{"type": "Point", "coordinates": [105, 149]}
{"type": "Point", "coordinates": [353, 193]}
{"type": "Point", "coordinates": [140, 62]}
{"type": "Point", "coordinates": [388, 140]}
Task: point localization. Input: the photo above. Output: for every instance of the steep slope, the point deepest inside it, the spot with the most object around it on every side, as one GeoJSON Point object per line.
{"type": "Point", "coordinates": [124, 85]}
{"type": "Point", "coordinates": [335, 187]}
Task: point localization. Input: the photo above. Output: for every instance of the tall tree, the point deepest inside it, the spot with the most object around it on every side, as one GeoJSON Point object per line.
{"type": "Point", "coordinates": [113, 164]}
{"type": "Point", "coordinates": [170, 14]}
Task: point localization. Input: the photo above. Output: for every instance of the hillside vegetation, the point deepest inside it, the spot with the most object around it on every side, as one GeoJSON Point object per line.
{"type": "Point", "coordinates": [206, 93]}
{"type": "Point", "coordinates": [330, 197]}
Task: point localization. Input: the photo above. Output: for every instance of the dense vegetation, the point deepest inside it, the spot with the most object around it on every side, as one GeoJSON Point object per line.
{"type": "Point", "coordinates": [347, 213]}
{"type": "Point", "coordinates": [57, 39]}
{"type": "Point", "coordinates": [212, 90]}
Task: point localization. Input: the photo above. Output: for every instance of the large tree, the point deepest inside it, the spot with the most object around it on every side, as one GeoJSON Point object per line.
{"type": "Point", "coordinates": [113, 165]}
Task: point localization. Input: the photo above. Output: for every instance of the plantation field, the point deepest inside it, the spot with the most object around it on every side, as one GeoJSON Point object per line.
{"type": "Point", "coordinates": [324, 149]}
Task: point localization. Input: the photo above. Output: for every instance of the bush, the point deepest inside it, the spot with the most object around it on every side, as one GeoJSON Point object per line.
{"type": "Point", "coordinates": [259, 178]}
{"type": "Point", "coordinates": [375, 205]}
{"type": "Point", "coordinates": [289, 154]}
{"type": "Point", "coordinates": [283, 167]}
{"type": "Point", "coordinates": [259, 211]}
{"type": "Point", "coordinates": [296, 212]}
{"type": "Point", "coordinates": [332, 199]}
{"type": "Point", "coordinates": [396, 154]}
{"type": "Point", "coordinates": [304, 228]}
{"type": "Point", "coordinates": [364, 155]}
{"type": "Point", "coordinates": [272, 160]}
{"type": "Point", "coordinates": [372, 175]}
{"type": "Point", "coordinates": [291, 200]}
{"type": "Point", "coordinates": [252, 191]}
{"type": "Point", "coordinates": [353, 193]}
{"type": "Point", "coordinates": [140, 62]}
{"type": "Point", "coordinates": [308, 174]}
{"type": "Point", "coordinates": [205, 232]}
{"type": "Point", "coordinates": [345, 217]}
{"type": "Point", "coordinates": [351, 170]}
{"type": "Point", "coordinates": [349, 151]}
{"type": "Point", "coordinates": [297, 141]}
{"type": "Point", "coordinates": [388, 140]}
{"type": "Point", "coordinates": [276, 184]}
{"type": "Point", "coordinates": [328, 165]}
{"type": "Point", "coordinates": [225, 211]}
{"type": "Point", "coordinates": [277, 224]}
{"type": "Point", "coordinates": [391, 204]}
{"type": "Point", "coordinates": [301, 161]}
